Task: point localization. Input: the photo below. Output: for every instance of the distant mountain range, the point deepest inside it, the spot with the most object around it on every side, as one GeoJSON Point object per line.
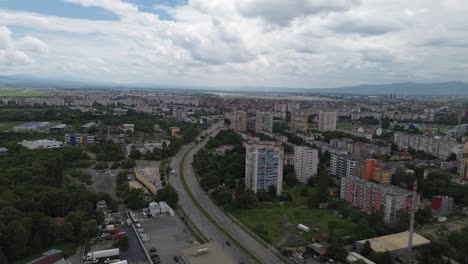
{"type": "Point", "coordinates": [401, 89]}
{"type": "Point", "coordinates": [407, 88]}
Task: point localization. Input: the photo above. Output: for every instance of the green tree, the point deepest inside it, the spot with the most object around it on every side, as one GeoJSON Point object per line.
{"type": "Point", "coordinates": [331, 228]}
{"type": "Point", "coordinates": [67, 231]}
{"type": "Point", "coordinates": [17, 237]}
{"type": "Point", "coordinates": [337, 251]}
{"type": "Point", "coordinates": [323, 180]}
{"type": "Point", "coordinates": [136, 199]}
{"type": "Point", "coordinates": [169, 195]}
{"type": "Point", "coordinates": [89, 230]}
{"type": "Point", "coordinates": [366, 249]}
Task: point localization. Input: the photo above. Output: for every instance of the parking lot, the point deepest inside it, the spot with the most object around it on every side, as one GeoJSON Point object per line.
{"type": "Point", "coordinates": [167, 234]}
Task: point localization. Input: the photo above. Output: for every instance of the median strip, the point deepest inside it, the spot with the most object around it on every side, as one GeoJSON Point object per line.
{"type": "Point", "coordinates": [210, 219]}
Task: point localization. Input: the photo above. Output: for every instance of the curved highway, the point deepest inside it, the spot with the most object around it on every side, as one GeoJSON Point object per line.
{"type": "Point", "coordinates": [198, 217]}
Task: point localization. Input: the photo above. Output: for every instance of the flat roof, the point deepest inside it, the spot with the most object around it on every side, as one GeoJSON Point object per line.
{"type": "Point", "coordinates": [395, 242]}
{"type": "Point", "coordinates": [214, 254]}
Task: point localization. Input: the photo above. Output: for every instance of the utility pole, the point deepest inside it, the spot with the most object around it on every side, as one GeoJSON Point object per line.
{"type": "Point", "coordinates": [411, 258]}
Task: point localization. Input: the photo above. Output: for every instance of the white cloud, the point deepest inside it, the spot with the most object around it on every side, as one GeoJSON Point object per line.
{"type": "Point", "coordinates": [14, 52]}
{"type": "Point", "coordinates": [303, 43]}
{"type": "Point", "coordinates": [33, 45]}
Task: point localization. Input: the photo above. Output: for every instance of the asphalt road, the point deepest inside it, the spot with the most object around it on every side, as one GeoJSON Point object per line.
{"type": "Point", "coordinates": [263, 254]}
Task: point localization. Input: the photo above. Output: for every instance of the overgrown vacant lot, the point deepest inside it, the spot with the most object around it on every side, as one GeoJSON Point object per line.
{"type": "Point", "coordinates": [16, 92]}
{"type": "Point", "coordinates": [277, 223]}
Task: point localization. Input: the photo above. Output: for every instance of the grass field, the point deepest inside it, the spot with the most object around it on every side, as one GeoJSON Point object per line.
{"type": "Point", "coordinates": [8, 125]}
{"type": "Point", "coordinates": [345, 125]}
{"type": "Point", "coordinates": [277, 223]}
{"type": "Point", "coordinates": [21, 92]}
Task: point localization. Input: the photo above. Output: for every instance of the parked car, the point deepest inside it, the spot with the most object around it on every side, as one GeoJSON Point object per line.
{"type": "Point", "coordinates": [176, 259]}
{"type": "Point", "coordinates": [140, 230]}
{"type": "Point", "coordinates": [152, 250]}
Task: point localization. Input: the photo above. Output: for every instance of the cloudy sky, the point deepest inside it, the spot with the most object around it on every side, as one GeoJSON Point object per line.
{"type": "Point", "coordinates": [282, 43]}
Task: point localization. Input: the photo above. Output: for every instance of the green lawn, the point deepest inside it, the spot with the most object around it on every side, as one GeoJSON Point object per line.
{"type": "Point", "coordinates": [345, 125]}
{"type": "Point", "coordinates": [277, 223]}
{"type": "Point", "coordinates": [10, 124]}
{"type": "Point", "coordinates": [20, 92]}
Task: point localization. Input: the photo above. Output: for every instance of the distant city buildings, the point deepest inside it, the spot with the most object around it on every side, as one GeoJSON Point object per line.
{"type": "Point", "coordinates": [305, 163]}
{"type": "Point", "coordinates": [263, 121]}
{"type": "Point", "coordinates": [264, 166]}
{"type": "Point", "coordinates": [299, 121]}
{"type": "Point", "coordinates": [327, 121]}
{"type": "Point", "coordinates": [437, 147]}
{"type": "Point", "coordinates": [369, 196]}
{"type": "Point", "coordinates": [239, 121]}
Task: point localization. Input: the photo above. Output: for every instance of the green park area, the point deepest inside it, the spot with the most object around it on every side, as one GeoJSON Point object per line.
{"type": "Point", "coordinates": [21, 92]}
{"type": "Point", "coordinates": [277, 222]}
{"type": "Point", "coordinates": [346, 125]}
{"type": "Point", "coordinates": [8, 125]}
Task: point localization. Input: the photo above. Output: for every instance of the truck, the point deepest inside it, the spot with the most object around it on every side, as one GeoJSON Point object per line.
{"type": "Point", "coordinates": [108, 253]}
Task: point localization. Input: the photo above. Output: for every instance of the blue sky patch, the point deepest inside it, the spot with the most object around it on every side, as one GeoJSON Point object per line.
{"type": "Point", "coordinates": [58, 8]}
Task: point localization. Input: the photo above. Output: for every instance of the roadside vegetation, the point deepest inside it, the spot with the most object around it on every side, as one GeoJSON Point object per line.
{"type": "Point", "coordinates": [35, 195]}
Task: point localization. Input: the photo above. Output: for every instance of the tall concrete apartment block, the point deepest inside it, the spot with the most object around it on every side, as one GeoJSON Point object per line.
{"type": "Point", "coordinates": [463, 168]}
{"type": "Point", "coordinates": [369, 196]}
{"type": "Point", "coordinates": [264, 121]}
{"type": "Point", "coordinates": [264, 166]}
{"type": "Point", "coordinates": [436, 147]}
{"type": "Point", "coordinates": [305, 163]}
{"type": "Point", "coordinates": [239, 121]}
{"type": "Point", "coordinates": [342, 165]}
{"type": "Point", "coordinates": [327, 121]}
{"type": "Point", "coordinates": [299, 120]}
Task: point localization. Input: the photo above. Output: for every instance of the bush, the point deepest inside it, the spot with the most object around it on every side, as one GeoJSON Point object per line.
{"type": "Point", "coordinates": [101, 166]}
{"type": "Point", "coordinates": [115, 165]}
{"type": "Point", "coordinates": [128, 164]}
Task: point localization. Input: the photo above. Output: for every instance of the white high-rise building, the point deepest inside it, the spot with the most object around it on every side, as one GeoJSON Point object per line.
{"type": "Point", "coordinates": [305, 163]}
{"type": "Point", "coordinates": [264, 166]}
{"type": "Point", "coordinates": [327, 121]}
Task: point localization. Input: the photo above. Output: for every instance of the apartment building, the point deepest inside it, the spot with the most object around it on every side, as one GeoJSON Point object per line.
{"type": "Point", "coordinates": [434, 146]}
{"type": "Point", "coordinates": [373, 170]}
{"type": "Point", "coordinates": [305, 163]}
{"type": "Point", "coordinates": [369, 196]}
{"type": "Point", "coordinates": [263, 121]}
{"type": "Point", "coordinates": [264, 166]}
{"type": "Point", "coordinates": [327, 121]}
{"type": "Point", "coordinates": [342, 165]}
{"type": "Point", "coordinates": [299, 120]}
{"type": "Point", "coordinates": [79, 139]}
{"type": "Point", "coordinates": [239, 121]}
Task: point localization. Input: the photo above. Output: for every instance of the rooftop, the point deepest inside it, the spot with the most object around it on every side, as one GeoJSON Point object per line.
{"type": "Point", "coordinates": [209, 253]}
{"type": "Point", "coordinates": [395, 242]}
